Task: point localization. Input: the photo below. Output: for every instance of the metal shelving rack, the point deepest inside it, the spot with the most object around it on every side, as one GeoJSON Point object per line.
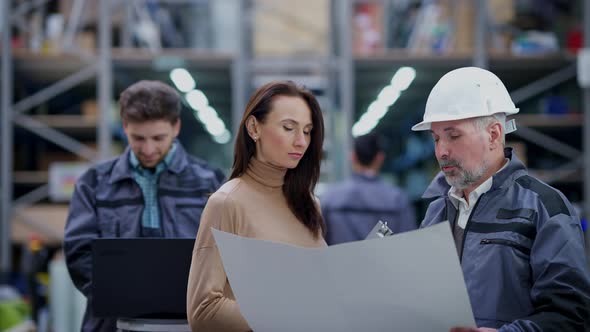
{"type": "Point", "coordinates": [243, 70]}
{"type": "Point", "coordinates": [586, 142]}
{"type": "Point", "coordinates": [336, 68]}
{"type": "Point", "coordinates": [14, 114]}
{"type": "Point", "coordinates": [576, 158]}
{"type": "Point", "coordinates": [342, 70]}
{"type": "Point", "coordinates": [66, 71]}
{"type": "Point", "coordinates": [562, 68]}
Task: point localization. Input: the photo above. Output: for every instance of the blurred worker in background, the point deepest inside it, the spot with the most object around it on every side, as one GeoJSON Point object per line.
{"type": "Point", "coordinates": [352, 208]}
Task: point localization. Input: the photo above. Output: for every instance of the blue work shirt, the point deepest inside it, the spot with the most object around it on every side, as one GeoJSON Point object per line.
{"type": "Point", "coordinates": [148, 182]}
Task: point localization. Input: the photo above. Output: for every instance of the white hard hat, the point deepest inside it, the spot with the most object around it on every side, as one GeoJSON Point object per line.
{"type": "Point", "coordinates": [463, 93]}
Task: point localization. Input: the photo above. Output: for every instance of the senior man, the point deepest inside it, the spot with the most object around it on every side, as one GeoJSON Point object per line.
{"type": "Point", "coordinates": [519, 240]}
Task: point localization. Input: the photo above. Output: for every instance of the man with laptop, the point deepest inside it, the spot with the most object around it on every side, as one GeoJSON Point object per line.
{"type": "Point", "coordinates": [154, 189]}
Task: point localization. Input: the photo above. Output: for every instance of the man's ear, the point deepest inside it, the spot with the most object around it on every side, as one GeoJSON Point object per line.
{"type": "Point", "coordinates": [125, 127]}
{"type": "Point", "coordinates": [380, 157]}
{"type": "Point", "coordinates": [378, 161]}
{"type": "Point", "coordinates": [176, 128]}
{"type": "Point", "coordinates": [495, 131]}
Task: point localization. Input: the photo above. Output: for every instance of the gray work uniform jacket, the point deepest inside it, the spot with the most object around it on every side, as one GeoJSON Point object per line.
{"type": "Point", "coordinates": [107, 202]}
{"type": "Point", "coordinates": [352, 208]}
{"type": "Point", "coordinates": [523, 254]}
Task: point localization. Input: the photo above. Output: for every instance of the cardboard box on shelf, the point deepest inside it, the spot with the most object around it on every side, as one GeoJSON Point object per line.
{"type": "Point", "coordinates": [464, 16]}
{"type": "Point", "coordinates": [48, 157]}
{"type": "Point", "coordinates": [90, 12]}
{"type": "Point", "coordinates": [86, 40]}
{"type": "Point", "coordinates": [519, 149]}
{"type": "Point", "coordinates": [284, 28]}
{"type": "Point", "coordinates": [44, 221]}
{"type": "Point", "coordinates": [501, 12]}
{"type": "Point", "coordinates": [367, 28]}
{"type": "Point", "coordinates": [90, 109]}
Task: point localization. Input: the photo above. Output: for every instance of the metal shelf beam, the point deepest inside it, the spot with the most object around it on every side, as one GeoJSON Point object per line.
{"type": "Point", "coordinates": [105, 80]}
{"type": "Point", "coordinates": [586, 143]}
{"type": "Point", "coordinates": [11, 115]}
{"type": "Point", "coordinates": [55, 89]}
{"type": "Point", "coordinates": [480, 54]}
{"type": "Point", "coordinates": [346, 86]}
{"type": "Point", "coordinates": [6, 143]}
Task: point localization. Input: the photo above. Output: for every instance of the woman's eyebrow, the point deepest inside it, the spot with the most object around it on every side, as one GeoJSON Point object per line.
{"type": "Point", "coordinates": [295, 122]}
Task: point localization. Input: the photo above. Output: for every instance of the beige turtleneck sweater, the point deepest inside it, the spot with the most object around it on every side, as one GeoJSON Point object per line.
{"type": "Point", "coordinates": [253, 206]}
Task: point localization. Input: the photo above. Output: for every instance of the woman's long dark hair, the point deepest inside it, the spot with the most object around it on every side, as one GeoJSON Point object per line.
{"type": "Point", "coordinates": [300, 181]}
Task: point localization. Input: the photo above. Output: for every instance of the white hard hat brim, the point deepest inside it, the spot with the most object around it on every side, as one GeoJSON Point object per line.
{"type": "Point", "coordinates": [425, 125]}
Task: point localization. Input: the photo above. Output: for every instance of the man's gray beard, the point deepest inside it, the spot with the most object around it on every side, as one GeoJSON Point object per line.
{"type": "Point", "coordinates": [467, 178]}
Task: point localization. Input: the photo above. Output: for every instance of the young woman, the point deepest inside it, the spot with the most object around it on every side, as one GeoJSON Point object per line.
{"type": "Point", "coordinates": [269, 196]}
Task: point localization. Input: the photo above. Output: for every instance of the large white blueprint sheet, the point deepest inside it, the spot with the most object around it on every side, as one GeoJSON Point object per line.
{"type": "Point", "coordinates": [407, 282]}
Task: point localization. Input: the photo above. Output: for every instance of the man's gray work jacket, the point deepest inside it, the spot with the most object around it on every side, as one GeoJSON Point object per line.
{"type": "Point", "coordinates": [107, 202]}
{"type": "Point", "coordinates": [523, 256]}
{"type": "Point", "coordinates": [352, 208]}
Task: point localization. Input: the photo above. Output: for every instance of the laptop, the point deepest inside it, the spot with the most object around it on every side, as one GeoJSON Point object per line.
{"type": "Point", "coordinates": [140, 277]}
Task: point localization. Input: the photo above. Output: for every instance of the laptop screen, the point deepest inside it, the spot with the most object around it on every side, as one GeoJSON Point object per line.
{"type": "Point", "coordinates": [140, 277]}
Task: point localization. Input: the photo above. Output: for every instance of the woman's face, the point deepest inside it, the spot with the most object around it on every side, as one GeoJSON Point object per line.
{"type": "Point", "coordinates": [285, 134]}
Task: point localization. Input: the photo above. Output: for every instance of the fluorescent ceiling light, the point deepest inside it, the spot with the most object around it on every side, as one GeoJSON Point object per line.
{"type": "Point", "coordinates": [377, 109]}
{"type": "Point", "coordinates": [182, 79]}
{"type": "Point", "coordinates": [363, 128]}
{"type": "Point", "coordinates": [402, 78]}
{"type": "Point", "coordinates": [207, 114]}
{"type": "Point", "coordinates": [388, 95]}
{"type": "Point", "coordinates": [215, 126]}
{"type": "Point", "coordinates": [197, 100]}
{"type": "Point", "coordinates": [223, 138]}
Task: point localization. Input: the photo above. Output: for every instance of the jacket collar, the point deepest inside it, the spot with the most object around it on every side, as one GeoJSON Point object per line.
{"type": "Point", "coordinates": [123, 170]}
{"type": "Point", "coordinates": [364, 176]}
{"type": "Point", "coordinates": [515, 169]}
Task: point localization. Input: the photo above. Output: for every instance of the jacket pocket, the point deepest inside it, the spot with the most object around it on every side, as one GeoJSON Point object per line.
{"type": "Point", "coordinates": [110, 228]}
{"type": "Point", "coordinates": [122, 221]}
{"type": "Point", "coordinates": [526, 214]}
{"type": "Point", "coordinates": [509, 243]}
{"type": "Point", "coordinates": [187, 218]}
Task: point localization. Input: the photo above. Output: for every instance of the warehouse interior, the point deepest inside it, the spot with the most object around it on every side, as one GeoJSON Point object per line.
{"type": "Point", "coordinates": [65, 62]}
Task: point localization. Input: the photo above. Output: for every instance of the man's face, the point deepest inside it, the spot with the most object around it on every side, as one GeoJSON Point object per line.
{"type": "Point", "coordinates": [461, 150]}
{"type": "Point", "coordinates": [151, 140]}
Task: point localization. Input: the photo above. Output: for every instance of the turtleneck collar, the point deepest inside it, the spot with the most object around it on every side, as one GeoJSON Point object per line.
{"type": "Point", "coordinates": [266, 174]}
